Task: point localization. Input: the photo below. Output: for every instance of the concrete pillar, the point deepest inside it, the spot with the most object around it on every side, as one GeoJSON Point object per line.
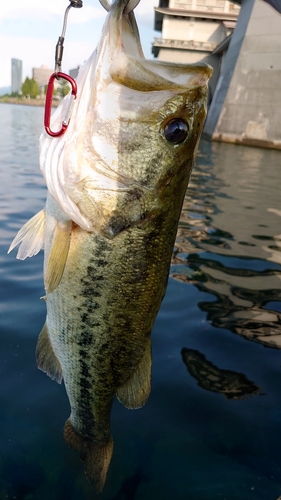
{"type": "Point", "coordinates": [246, 104]}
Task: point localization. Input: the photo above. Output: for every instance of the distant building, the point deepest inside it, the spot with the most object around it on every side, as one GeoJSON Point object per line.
{"type": "Point", "coordinates": [42, 75]}
{"type": "Point", "coordinates": [16, 75]}
{"type": "Point", "coordinates": [74, 72]}
{"type": "Point", "coordinates": [192, 30]}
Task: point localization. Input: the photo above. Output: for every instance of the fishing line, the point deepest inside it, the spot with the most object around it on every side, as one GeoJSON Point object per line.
{"type": "Point", "coordinates": [59, 47]}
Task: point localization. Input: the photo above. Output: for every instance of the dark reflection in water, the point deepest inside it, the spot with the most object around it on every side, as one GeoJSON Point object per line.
{"type": "Point", "coordinates": [231, 384]}
{"type": "Point", "coordinates": [240, 269]}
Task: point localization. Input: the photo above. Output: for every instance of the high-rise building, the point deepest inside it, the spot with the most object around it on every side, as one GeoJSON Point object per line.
{"type": "Point", "coordinates": [41, 75]}
{"type": "Point", "coordinates": [74, 72]}
{"type": "Point", "coordinates": [16, 75]}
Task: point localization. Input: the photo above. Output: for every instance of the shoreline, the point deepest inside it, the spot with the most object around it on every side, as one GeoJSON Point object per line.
{"type": "Point", "coordinates": [27, 102]}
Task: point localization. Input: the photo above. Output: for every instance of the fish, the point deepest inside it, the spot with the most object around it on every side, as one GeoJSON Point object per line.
{"type": "Point", "coordinates": [116, 182]}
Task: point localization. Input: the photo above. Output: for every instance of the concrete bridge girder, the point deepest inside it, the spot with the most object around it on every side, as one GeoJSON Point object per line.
{"type": "Point", "coordinates": [246, 104]}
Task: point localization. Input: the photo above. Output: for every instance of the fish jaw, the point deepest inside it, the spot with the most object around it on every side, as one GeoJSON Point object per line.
{"type": "Point", "coordinates": [121, 105]}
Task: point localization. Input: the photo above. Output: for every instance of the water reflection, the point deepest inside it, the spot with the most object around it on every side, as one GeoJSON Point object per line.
{"type": "Point", "coordinates": [231, 384]}
{"type": "Point", "coordinates": [185, 443]}
{"type": "Point", "coordinates": [228, 242]}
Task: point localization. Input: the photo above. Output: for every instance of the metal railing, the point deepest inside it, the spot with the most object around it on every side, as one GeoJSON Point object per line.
{"type": "Point", "coordinates": [184, 44]}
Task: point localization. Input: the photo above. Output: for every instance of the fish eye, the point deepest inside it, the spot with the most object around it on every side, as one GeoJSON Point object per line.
{"type": "Point", "coordinates": [176, 130]}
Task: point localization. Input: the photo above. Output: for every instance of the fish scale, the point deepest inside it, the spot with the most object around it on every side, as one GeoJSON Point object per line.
{"type": "Point", "coordinates": [116, 181]}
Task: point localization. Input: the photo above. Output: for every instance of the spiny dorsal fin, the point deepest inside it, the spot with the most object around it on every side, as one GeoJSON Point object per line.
{"type": "Point", "coordinates": [134, 393]}
{"type": "Point", "coordinates": [57, 256]}
{"type": "Point", "coordinates": [30, 236]}
{"type": "Point", "coordinates": [46, 358]}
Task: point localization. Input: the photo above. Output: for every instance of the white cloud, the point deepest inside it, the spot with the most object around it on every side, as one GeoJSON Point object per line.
{"type": "Point", "coordinates": [146, 7]}
{"type": "Point", "coordinates": [34, 51]}
{"type": "Point", "coordinates": [145, 11]}
{"type": "Point", "coordinates": [84, 15]}
{"type": "Point", "coordinates": [42, 10]}
{"type": "Point", "coordinates": [32, 9]}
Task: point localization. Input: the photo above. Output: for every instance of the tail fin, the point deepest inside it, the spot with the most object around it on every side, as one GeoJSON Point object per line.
{"type": "Point", "coordinates": [96, 457]}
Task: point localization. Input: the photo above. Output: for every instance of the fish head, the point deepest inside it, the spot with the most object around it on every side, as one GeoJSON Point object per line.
{"type": "Point", "coordinates": [133, 134]}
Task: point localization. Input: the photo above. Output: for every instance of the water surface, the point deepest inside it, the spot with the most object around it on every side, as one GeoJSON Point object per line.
{"type": "Point", "coordinates": [211, 429]}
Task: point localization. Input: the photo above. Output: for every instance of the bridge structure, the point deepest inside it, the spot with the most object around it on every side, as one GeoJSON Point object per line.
{"type": "Point", "coordinates": [246, 105]}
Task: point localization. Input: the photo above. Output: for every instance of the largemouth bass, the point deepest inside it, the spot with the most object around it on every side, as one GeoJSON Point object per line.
{"type": "Point", "coordinates": [116, 182]}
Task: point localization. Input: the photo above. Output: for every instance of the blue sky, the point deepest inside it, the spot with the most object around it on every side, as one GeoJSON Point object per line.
{"type": "Point", "coordinates": [29, 30]}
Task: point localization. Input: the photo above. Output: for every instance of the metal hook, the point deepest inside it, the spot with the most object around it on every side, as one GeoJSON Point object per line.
{"type": "Point", "coordinates": [131, 5]}
{"type": "Point", "coordinates": [59, 47]}
{"type": "Point", "coordinates": [76, 3]}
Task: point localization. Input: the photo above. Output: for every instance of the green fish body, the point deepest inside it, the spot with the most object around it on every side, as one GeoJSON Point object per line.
{"type": "Point", "coordinates": [116, 183]}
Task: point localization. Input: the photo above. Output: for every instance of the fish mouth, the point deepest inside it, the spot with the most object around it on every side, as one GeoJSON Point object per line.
{"type": "Point", "coordinates": [130, 68]}
{"type": "Point", "coordinates": [129, 5]}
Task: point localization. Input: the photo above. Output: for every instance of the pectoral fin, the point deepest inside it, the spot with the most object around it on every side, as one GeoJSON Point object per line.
{"type": "Point", "coordinates": [134, 393]}
{"type": "Point", "coordinates": [30, 237]}
{"type": "Point", "coordinates": [46, 358]}
{"type": "Point", "coordinates": [57, 256]}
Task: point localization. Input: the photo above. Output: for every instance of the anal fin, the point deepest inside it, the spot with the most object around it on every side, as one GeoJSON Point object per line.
{"type": "Point", "coordinates": [46, 358]}
{"type": "Point", "coordinates": [96, 456]}
{"type": "Point", "coordinates": [135, 392]}
{"type": "Point", "coordinates": [58, 255]}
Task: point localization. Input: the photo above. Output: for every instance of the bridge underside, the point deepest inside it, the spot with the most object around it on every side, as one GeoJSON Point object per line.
{"type": "Point", "coordinates": [246, 104]}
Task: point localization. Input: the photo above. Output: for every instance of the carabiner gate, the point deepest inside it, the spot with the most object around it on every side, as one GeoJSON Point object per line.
{"type": "Point", "coordinates": [49, 100]}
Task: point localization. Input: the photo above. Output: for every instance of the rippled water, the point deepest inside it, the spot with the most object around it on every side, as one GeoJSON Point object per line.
{"type": "Point", "coordinates": [212, 426]}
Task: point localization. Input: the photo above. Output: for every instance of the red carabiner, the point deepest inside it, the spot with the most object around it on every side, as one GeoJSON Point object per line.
{"type": "Point", "coordinates": [49, 100]}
